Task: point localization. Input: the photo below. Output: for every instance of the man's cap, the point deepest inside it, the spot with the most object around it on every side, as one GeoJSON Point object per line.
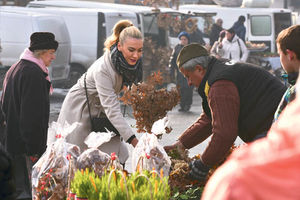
{"type": "Point", "coordinates": [189, 52]}
{"type": "Point", "coordinates": [42, 40]}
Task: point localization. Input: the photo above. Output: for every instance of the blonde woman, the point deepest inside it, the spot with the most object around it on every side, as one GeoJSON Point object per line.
{"type": "Point", "coordinates": [120, 65]}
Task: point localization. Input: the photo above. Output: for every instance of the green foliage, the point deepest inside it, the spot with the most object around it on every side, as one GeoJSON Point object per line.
{"type": "Point", "coordinates": [117, 185]}
{"type": "Point", "coordinates": [79, 184]}
{"type": "Point", "coordinates": [190, 194]}
{"type": "Point", "coordinates": [83, 185]}
{"type": "Point", "coordinates": [111, 186]}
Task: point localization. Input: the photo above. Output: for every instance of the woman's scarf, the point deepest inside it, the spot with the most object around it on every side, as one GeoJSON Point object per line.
{"type": "Point", "coordinates": [130, 73]}
{"type": "Point", "coordinates": [28, 55]}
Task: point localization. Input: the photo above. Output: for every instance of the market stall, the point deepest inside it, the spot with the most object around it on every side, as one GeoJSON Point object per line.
{"type": "Point", "coordinates": [259, 55]}
{"type": "Point", "coordinates": [64, 172]}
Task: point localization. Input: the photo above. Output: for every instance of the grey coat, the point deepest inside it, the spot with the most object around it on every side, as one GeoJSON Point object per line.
{"type": "Point", "coordinates": [103, 85]}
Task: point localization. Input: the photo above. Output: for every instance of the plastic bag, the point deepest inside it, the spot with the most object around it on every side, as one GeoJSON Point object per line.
{"type": "Point", "coordinates": [93, 158]}
{"type": "Point", "coordinates": [160, 127]}
{"type": "Point", "coordinates": [149, 154]}
{"type": "Point", "coordinates": [50, 173]}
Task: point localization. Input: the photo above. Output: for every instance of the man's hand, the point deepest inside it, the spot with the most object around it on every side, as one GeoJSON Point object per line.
{"type": "Point", "coordinates": [198, 171]}
{"type": "Point", "coordinates": [178, 145]}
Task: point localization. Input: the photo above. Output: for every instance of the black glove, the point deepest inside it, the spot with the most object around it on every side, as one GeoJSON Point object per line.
{"type": "Point", "coordinates": [198, 171]}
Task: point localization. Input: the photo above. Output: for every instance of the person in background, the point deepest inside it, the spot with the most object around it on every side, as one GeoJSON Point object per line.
{"type": "Point", "coordinates": [215, 31]}
{"type": "Point", "coordinates": [26, 107]}
{"type": "Point", "coordinates": [288, 47]}
{"type": "Point", "coordinates": [186, 91]}
{"type": "Point", "coordinates": [234, 48]}
{"type": "Point", "coordinates": [197, 36]}
{"type": "Point", "coordinates": [239, 27]}
{"type": "Point", "coordinates": [217, 49]}
{"type": "Point", "coordinates": [238, 99]}
{"type": "Point", "coordinates": [120, 65]}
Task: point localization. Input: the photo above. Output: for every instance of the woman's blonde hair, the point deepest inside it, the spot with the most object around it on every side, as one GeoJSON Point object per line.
{"type": "Point", "coordinates": [121, 31]}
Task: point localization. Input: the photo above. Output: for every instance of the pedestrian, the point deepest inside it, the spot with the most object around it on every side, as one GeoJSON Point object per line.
{"type": "Point", "coordinates": [238, 99]}
{"type": "Point", "coordinates": [268, 168]}
{"type": "Point", "coordinates": [288, 43]}
{"type": "Point", "coordinates": [234, 48]}
{"type": "Point", "coordinates": [186, 91]}
{"type": "Point", "coordinates": [197, 37]}
{"type": "Point", "coordinates": [96, 92]}
{"type": "Point", "coordinates": [239, 27]}
{"type": "Point", "coordinates": [217, 49]}
{"type": "Point", "coordinates": [215, 31]}
{"type": "Point", "coordinates": [25, 105]}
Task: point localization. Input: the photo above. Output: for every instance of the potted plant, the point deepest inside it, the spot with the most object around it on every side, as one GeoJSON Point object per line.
{"type": "Point", "coordinates": [113, 185]}
{"type": "Point", "coordinates": [81, 184]}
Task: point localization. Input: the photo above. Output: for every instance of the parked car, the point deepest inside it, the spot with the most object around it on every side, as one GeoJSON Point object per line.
{"type": "Point", "coordinates": [15, 30]}
{"type": "Point", "coordinates": [88, 29]}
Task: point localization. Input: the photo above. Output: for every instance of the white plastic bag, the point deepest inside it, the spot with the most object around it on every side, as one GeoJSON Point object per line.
{"type": "Point", "coordinates": [96, 139]}
{"type": "Point", "coordinates": [149, 154]}
{"type": "Point", "coordinates": [159, 127]}
{"type": "Point", "coordinates": [50, 173]}
{"type": "Point", "coordinates": [93, 158]}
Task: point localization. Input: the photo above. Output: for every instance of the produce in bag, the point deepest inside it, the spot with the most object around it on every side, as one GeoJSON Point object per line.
{"type": "Point", "coordinates": [149, 154]}
{"type": "Point", "coordinates": [93, 158]}
{"type": "Point", "coordinates": [50, 173]}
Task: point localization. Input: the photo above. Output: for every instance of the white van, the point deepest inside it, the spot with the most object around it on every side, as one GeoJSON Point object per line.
{"type": "Point", "coordinates": [88, 29]}
{"type": "Point", "coordinates": [15, 30]}
{"type": "Point", "coordinates": [146, 16]}
{"type": "Point", "coordinates": [262, 24]}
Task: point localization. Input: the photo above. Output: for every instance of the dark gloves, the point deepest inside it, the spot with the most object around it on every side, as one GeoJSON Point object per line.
{"type": "Point", "coordinates": [198, 171]}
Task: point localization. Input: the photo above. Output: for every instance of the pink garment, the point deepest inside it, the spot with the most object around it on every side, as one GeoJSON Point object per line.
{"type": "Point", "coordinates": [266, 169]}
{"type": "Point", "coordinates": [28, 55]}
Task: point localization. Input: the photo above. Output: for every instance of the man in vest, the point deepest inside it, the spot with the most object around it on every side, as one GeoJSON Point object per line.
{"type": "Point", "coordinates": [238, 99]}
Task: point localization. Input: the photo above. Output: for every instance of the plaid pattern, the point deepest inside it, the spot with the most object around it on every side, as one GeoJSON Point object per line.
{"type": "Point", "coordinates": [289, 95]}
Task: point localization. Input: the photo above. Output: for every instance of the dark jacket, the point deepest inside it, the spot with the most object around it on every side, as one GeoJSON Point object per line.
{"type": "Point", "coordinates": [259, 91]}
{"type": "Point", "coordinates": [25, 104]}
{"type": "Point", "coordinates": [197, 37]}
{"type": "Point", "coordinates": [240, 30]}
{"type": "Point", "coordinates": [7, 181]}
{"type": "Point", "coordinates": [214, 34]}
{"type": "Point", "coordinates": [181, 81]}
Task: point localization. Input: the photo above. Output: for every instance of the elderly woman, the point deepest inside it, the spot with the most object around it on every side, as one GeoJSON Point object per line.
{"type": "Point", "coordinates": [25, 105]}
{"type": "Point", "coordinates": [96, 92]}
